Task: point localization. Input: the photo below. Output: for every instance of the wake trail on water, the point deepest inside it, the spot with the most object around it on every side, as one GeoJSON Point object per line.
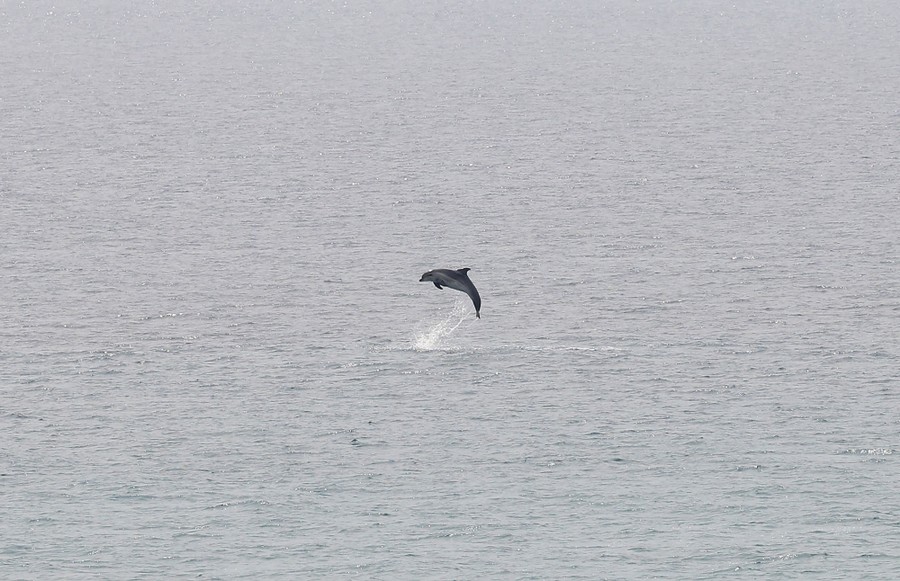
{"type": "Point", "coordinates": [436, 334]}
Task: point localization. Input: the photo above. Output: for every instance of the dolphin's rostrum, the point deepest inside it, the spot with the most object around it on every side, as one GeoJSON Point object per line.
{"type": "Point", "coordinates": [455, 279]}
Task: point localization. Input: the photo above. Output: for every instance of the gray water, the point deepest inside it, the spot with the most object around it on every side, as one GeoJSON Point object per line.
{"type": "Point", "coordinates": [216, 359]}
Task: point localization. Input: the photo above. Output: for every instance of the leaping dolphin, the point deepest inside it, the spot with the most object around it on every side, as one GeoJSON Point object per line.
{"type": "Point", "coordinates": [455, 279]}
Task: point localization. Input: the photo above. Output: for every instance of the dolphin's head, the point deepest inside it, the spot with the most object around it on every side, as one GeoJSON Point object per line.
{"type": "Point", "coordinates": [426, 277]}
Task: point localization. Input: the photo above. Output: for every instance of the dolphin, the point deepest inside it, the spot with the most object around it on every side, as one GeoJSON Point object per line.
{"type": "Point", "coordinates": [455, 279]}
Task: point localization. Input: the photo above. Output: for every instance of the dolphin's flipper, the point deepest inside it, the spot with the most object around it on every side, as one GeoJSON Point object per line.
{"type": "Point", "coordinates": [437, 285]}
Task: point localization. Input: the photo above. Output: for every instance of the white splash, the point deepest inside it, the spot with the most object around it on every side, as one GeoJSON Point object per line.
{"type": "Point", "coordinates": [436, 334]}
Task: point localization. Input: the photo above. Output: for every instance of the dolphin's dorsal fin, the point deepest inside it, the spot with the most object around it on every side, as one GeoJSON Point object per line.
{"type": "Point", "coordinates": [464, 270]}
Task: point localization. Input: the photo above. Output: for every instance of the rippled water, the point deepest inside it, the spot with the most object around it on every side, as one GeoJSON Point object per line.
{"type": "Point", "coordinates": [216, 359]}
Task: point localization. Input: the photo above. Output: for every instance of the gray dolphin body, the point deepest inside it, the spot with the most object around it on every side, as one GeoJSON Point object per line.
{"type": "Point", "coordinates": [455, 279]}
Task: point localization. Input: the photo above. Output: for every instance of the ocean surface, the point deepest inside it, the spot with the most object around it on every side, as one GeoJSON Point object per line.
{"type": "Point", "coordinates": [217, 362]}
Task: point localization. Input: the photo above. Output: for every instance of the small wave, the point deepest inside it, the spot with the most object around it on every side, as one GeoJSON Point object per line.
{"type": "Point", "coordinates": [870, 451]}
